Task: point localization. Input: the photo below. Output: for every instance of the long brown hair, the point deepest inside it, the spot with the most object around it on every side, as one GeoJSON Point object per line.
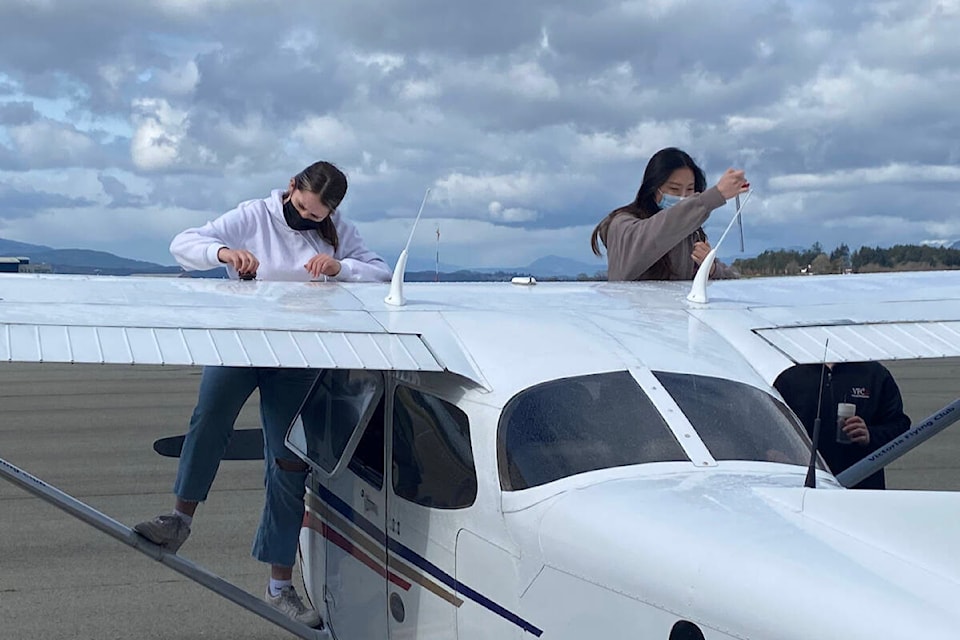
{"type": "Point", "coordinates": [329, 183]}
{"type": "Point", "coordinates": [659, 168]}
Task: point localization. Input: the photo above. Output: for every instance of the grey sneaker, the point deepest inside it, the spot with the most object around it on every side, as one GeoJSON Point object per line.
{"type": "Point", "coordinates": [289, 602]}
{"type": "Point", "coordinates": [167, 530]}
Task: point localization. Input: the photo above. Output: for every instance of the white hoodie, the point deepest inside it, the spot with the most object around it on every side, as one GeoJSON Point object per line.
{"type": "Point", "coordinates": [259, 227]}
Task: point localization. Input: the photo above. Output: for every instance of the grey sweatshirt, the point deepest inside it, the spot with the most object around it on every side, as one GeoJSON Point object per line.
{"type": "Point", "coordinates": [635, 245]}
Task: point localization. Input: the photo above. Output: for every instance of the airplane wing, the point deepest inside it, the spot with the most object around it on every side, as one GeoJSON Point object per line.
{"type": "Point", "coordinates": [90, 319]}
{"type": "Point", "coordinates": [890, 316]}
{"type": "Point", "coordinates": [773, 322]}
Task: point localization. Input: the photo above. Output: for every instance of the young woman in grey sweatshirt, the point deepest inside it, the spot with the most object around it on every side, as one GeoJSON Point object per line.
{"type": "Point", "coordinates": [659, 236]}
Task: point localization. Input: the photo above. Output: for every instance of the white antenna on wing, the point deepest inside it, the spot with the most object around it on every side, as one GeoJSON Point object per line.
{"type": "Point", "coordinates": [698, 292]}
{"type": "Point", "coordinates": [395, 297]}
{"type": "Point", "coordinates": [437, 265]}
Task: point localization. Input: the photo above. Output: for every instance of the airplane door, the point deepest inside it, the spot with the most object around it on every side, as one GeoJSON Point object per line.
{"type": "Point", "coordinates": [431, 480]}
{"type": "Point", "coordinates": [354, 530]}
{"type": "Point", "coordinates": [340, 434]}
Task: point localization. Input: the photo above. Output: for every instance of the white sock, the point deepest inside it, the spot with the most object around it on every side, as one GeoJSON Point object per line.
{"type": "Point", "coordinates": [277, 585]}
{"type": "Point", "coordinates": [187, 519]}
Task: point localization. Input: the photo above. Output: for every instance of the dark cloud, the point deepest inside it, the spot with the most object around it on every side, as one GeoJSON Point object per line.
{"type": "Point", "coordinates": [465, 30]}
{"type": "Point", "coordinates": [18, 202]}
{"type": "Point", "coordinates": [19, 112]}
{"type": "Point", "coordinates": [282, 86]}
{"type": "Point", "coordinates": [119, 196]}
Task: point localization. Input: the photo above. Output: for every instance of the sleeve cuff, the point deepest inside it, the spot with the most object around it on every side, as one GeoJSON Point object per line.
{"type": "Point", "coordinates": [345, 272]}
{"type": "Point", "coordinates": [712, 198]}
{"type": "Point", "coordinates": [212, 252]}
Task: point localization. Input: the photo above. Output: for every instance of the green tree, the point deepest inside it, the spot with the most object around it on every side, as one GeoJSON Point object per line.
{"type": "Point", "coordinates": [821, 264]}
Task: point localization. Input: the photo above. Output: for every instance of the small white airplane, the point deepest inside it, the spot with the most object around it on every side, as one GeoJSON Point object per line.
{"type": "Point", "coordinates": [568, 460]}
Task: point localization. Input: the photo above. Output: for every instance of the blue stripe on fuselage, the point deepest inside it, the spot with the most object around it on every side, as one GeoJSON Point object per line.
{"type": "Point", "coordinates": [416, 559]}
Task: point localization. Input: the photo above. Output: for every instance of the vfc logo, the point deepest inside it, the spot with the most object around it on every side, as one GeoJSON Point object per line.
{"type": "Point", "coordinates": [860, 392]}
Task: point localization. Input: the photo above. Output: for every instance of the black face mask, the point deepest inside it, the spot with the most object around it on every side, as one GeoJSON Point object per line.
{"type": "Point", "coordinates": [295, 220]}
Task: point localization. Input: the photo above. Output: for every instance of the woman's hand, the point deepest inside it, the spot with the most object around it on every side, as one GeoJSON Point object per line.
{"type": "Point", "coordinates": [240, 259]}
{"type": "Point", "coordinates": [732, 183]}
{"type": "Point", "coordinates": [322, 265]}
{"type": "Point", "coordinates": [700, 251]}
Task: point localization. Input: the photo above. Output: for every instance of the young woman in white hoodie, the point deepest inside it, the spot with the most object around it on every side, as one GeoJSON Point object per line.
{"type": "Point", "coordinates": [296, 234]}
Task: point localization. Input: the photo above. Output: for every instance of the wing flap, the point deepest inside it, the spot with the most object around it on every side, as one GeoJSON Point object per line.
{"type": "Point", "coordinates": [227, 347]}
{"type": "Point", "coordinates": [861, 342]}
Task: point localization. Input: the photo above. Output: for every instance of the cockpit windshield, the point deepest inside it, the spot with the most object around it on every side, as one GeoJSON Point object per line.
{"type": "Point", "coordinates": [737, 421]}
{"type": "Point", "coordinates": [574, 425]}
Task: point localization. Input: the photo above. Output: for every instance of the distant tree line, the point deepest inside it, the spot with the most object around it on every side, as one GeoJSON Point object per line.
{"type": "Point", "coordinates": [901, 257]}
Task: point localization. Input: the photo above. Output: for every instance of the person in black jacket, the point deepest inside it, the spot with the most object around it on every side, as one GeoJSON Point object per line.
{"type": "Point", "coordinates": [878, 420]}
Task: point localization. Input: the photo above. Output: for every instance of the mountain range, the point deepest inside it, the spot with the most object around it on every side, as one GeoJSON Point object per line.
{"type": "Point", "coordinates": [81, 260]}
{"type": "Point", "coordinates": [86, 261]}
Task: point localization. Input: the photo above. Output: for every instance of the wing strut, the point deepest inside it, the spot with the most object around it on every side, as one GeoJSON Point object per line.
{"type": "Point", "coordinates": [125, 534]}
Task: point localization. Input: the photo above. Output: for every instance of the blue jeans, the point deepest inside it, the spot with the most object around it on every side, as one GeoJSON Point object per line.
{"type": "Point", "coordinates": [223, 392]}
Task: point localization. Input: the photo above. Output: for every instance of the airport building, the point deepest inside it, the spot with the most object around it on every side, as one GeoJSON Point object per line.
{"type": "Point", "coordinates": [13, 264]}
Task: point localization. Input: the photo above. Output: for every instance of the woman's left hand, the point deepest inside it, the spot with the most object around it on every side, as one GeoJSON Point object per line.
{"type": "Point", "coordinates": [700, 251]}
{"type": "Point", "coordinates": [323, 265]}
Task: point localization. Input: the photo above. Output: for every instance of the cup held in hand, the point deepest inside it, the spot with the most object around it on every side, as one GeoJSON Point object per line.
{"type": "Point", "coordinates": [844, 410]}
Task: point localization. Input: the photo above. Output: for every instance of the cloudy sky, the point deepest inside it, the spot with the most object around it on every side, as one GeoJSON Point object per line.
{"type": "Point", "coordinates": [122, 123]}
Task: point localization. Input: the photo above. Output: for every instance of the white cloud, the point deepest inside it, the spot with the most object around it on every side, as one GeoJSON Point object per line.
{"type": "Point", "coordinates": [855, 178]}
{"type": "Point", "coordinates": [460, 189]}
{"type": "Point", "coordinates": [750, 124]}
{"type": "Point", "coordinates": [639, 142]}
{"type": "Point", "coordinates": [46, 142]}
{"type": "Point", "coordinates": [196, 7]}
{"type": "Point", "coordinates": [159, 132]}
{"type": "Point", "coordinates": [385, 62]}
{"type": "Point", "coordinates": [415, 90]}
{"type": "Point", "coordinates": [116, 72]}
{"type": "Point", "coordinates": [326, 133]}
{"type": "Point", "coordinates": [511, 214]}
{"type": "Point", "coordinates": [530, 80]}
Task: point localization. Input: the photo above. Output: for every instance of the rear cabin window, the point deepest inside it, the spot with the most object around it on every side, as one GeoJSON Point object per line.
{"type": "Point", "coordinates": [432, 456]}
{"type": "Point", "coordinates": [574, 425]}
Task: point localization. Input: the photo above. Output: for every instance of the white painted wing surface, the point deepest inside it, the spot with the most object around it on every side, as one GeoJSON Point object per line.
{"type": "Point", "coordinates": [197, 322]}
{"type": "Point", "coordinates": [889, 316]}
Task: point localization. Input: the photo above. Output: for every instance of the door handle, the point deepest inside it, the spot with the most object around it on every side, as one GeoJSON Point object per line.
{"type": "Point", "coordinates": [369, 505]}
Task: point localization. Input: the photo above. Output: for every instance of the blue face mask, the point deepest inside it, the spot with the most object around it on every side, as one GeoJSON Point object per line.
{"type": "Point", "coordinates": [667, 200]}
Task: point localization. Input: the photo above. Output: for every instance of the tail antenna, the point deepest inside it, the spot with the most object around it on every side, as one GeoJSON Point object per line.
{"type": "Point", "coordinates": [395, 297]}
{"type": "Point", "coordinates": [698, 292]}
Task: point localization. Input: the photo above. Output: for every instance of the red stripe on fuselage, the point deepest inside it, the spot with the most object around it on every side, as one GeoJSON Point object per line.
{"type": "Point", "coordinates": [336, 538]}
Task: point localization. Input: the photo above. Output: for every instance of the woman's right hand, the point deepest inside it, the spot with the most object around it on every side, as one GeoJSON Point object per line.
{"type": "Point", "coordinates": [240, 259]}
{"type": "Point", "coordinates": [732, 183]}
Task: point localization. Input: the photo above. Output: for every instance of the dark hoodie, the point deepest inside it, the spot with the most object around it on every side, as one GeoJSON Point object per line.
{"type": "Point", "coordinates": [866, 384]}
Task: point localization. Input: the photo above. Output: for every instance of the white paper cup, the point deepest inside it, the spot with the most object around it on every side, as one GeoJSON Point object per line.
{"type": "Point", "coordinates": [844, 410]}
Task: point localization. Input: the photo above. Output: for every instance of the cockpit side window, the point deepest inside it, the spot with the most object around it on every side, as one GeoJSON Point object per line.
{"type": "Point", "coordinates": [574, 425]}
{"type": "Point", "coordinates": [367, 460]}
{"type": "Point", "coordinates": [432, 455]}
{"type": "Point", "coordinates": [737, 421]}
{"type": "Point", "coordinates": [338, 406]}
